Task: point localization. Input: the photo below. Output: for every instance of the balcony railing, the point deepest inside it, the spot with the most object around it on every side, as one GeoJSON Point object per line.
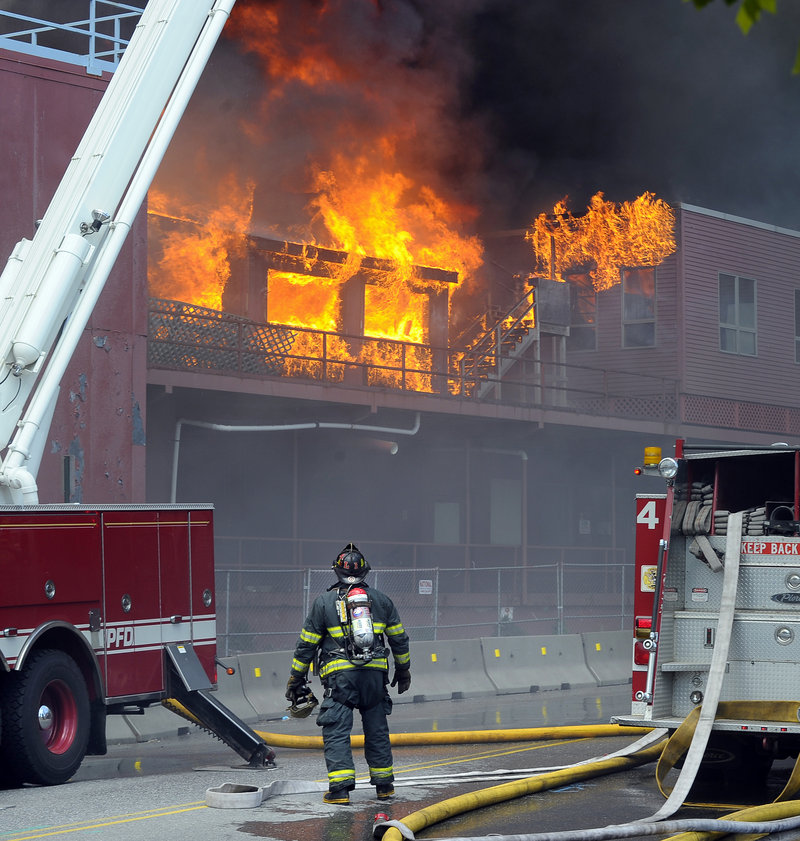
{"type": "Point", "coordinates": [184, 337]}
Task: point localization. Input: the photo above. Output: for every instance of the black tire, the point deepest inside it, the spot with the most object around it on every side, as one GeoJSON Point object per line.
{"type": "Point", "coordinates": [45, 712]}
{"type": "Point", "coordinates": [8, 779]}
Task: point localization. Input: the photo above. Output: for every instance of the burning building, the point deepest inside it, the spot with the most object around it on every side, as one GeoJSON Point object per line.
{"type": "Point", "coordinates": [328, 313]}
{"type": "Point", "coordinates": [306, 330]}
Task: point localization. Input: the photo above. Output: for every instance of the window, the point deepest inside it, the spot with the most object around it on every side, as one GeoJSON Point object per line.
{"type": "Point", "coordinates": [583, 314]}
{"type": "Point", "coordinates": [639, 307]}
{"type": "Point", "coordinates": [737, 315]}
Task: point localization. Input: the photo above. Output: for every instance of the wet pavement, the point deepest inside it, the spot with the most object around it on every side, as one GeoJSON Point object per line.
{"type": "Point", "coordinates": [157, 789]}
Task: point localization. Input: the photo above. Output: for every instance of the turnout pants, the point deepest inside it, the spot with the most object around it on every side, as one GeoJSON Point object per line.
{"type": "Point", "coordinates": [363, 689]}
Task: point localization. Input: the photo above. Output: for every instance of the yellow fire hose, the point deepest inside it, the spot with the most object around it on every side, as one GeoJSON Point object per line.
{"type": "Point", "coordinates": [447, 809]}
{"type": "Point", "coordinates": [767, 811]}
{"type": "Point", "coordinates": [458, 737]}
{"type": "Point", "coordinates": [775, 711]}
{"type": "Point", "coordinates": [666, 753]}
{"type": "Point", "coordinates": [439, 737]}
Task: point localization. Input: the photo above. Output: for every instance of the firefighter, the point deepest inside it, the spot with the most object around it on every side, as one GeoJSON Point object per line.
{"type": "Point", "coordinates": [346, 628]}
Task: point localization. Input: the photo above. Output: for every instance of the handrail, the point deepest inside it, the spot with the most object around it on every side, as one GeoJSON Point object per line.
{"type": "Point", "coordinates": [488, 349]}
{"type": "Point", "coordinates": [489, 335]}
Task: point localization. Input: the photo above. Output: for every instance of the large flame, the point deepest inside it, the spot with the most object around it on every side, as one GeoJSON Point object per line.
{"type": "Point", "coordinates": [303, 300]}
{"type": "Point", "coordinates": [382, 212]}
{"type": "Point", "coordinates": [606, 238]}
{"type": "Point", "coordinates": [360, 122]}
{"type": "Point", "coordinates": [374, 193]}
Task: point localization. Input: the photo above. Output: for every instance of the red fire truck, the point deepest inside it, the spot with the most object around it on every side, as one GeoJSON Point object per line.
{"type": "Point", "coordinates": [103, 609]}
{"type": "Point", "coordinates": [717, 592]}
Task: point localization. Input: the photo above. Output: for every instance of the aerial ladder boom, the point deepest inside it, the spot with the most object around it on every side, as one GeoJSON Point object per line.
{"type": "Point", "coordinates": [52, 282]}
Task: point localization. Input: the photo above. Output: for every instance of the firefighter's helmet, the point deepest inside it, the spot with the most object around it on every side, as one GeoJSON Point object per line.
{"type": "Point", "coordinates": [304, 704]}
{"type": "Point", "coordinates": [351, 566]}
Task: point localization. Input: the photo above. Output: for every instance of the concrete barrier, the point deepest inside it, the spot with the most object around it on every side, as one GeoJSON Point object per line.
{"type": "Point", "coordinates": [264, 679]}
{"type": "Point", "coordinates": [230, 690]}
{"type": "Point", "coordinates": [609, 656]}
{"type": "Point", "coordinates": [157, 722]}
{"type": "Point", "coordinates": [118, 731]}
{"type": "Point", "coordinates": [440, 670]}
{"type": "Point", "coordinates": [533, 664]}
{"type": "Point", "coordinates": [445, 670]}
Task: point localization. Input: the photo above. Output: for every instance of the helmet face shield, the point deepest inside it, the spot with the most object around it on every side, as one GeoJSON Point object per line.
{"type": "Point", "coordinates": [350, 565]}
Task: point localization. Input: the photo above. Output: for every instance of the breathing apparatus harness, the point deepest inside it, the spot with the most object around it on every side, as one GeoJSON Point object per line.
{"type": "Point", "coordinates": [354, 610]}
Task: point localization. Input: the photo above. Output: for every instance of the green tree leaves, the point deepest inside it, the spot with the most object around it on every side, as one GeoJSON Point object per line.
{"type": "Point", "coordinates": [748, 14]}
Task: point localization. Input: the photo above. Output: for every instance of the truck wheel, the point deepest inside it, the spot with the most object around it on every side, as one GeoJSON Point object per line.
{"type": "Point", "coordinates": [45, 712]}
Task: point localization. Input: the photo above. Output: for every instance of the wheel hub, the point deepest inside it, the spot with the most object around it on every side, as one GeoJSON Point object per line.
{"type": "Point", "coordinates": [45, 717]}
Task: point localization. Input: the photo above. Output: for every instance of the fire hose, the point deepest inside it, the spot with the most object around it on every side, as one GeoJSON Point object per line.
{"type": "Point", "coordinates": [634, 755]}
{"type": "Point", "coordinates": [689, 740]}
{"type": "Point", "coordinates": [694, 750]}
{"type": "Point", "coordinates": [752, 821]}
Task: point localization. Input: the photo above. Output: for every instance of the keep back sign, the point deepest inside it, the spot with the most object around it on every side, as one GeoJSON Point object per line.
{"type": "Point", "coordinates": [771, 547]}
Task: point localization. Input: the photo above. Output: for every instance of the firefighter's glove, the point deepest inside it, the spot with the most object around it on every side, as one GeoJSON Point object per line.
{"type": "Point", "coordinates": [402, 680]}
{"type": "Point", "coordinates": [295, 687]}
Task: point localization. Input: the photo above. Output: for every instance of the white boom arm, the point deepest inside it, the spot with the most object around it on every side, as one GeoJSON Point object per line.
{"type": "Point", "coordinates": [60, 273]}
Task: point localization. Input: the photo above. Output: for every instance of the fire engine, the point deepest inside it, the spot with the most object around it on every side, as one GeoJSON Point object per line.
{"type": "Point", "coordinates": [103, 609]}
{"type": "Point", "coordinates": [716, 638]}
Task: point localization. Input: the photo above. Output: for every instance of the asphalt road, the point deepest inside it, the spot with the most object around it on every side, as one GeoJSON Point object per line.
{"type": "Point", "coordinates": [157, 789]}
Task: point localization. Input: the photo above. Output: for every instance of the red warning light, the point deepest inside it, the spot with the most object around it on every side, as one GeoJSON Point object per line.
{"type": "Point", "coordinates": [641, 655]}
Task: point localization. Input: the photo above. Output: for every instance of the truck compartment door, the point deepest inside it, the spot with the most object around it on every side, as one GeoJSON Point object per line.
{"type": "Point", "coordinates": [132, 604]}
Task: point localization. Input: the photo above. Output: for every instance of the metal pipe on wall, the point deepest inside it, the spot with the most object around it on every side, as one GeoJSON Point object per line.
{"type": "Point", "coordinates": [224, 427]}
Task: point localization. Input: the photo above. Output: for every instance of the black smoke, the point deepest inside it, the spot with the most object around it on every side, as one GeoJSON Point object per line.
{"type": "Point", "coordinates": [521, 104]}
{"type": "Point", "coordinates": [626, 95]}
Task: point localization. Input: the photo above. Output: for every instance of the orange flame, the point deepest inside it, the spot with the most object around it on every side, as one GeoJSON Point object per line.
{"type": "Point", "coordinates": [288, 56]}
{"type": "Point", "coordinates": [369, 203]}
{"type": "Point", "coordinates": [386, 214]}
{"type": "Point", "coordinates": [606, 238]}
{"type": "Point", "coordinates": [302, 300]}
{"type": "Point", "coordinates": [194, 264]}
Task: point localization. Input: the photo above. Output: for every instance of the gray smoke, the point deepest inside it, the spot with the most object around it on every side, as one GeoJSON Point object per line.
{"type": "Point", "coordinates": [509, 105]}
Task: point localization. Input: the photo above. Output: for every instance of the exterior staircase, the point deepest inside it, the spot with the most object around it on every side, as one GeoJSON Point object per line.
{"type": "Point", "coordinates": [504, 340]}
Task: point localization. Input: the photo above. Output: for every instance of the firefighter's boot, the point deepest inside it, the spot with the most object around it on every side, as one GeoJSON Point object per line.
{"type": "Point", "coordinates": [337, 797]}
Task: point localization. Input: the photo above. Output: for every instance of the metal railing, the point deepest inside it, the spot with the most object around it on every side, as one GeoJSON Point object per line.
{"type": "Point", "coordinates": [264, 609]}
{"type": "Point", "coordinates": [486, 353]}
{"type": "Point", "coordinates": [96, 41]}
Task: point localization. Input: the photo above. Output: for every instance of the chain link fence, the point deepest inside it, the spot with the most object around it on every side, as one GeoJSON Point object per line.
{"type": "Point", "coordinates": [263, 610]}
